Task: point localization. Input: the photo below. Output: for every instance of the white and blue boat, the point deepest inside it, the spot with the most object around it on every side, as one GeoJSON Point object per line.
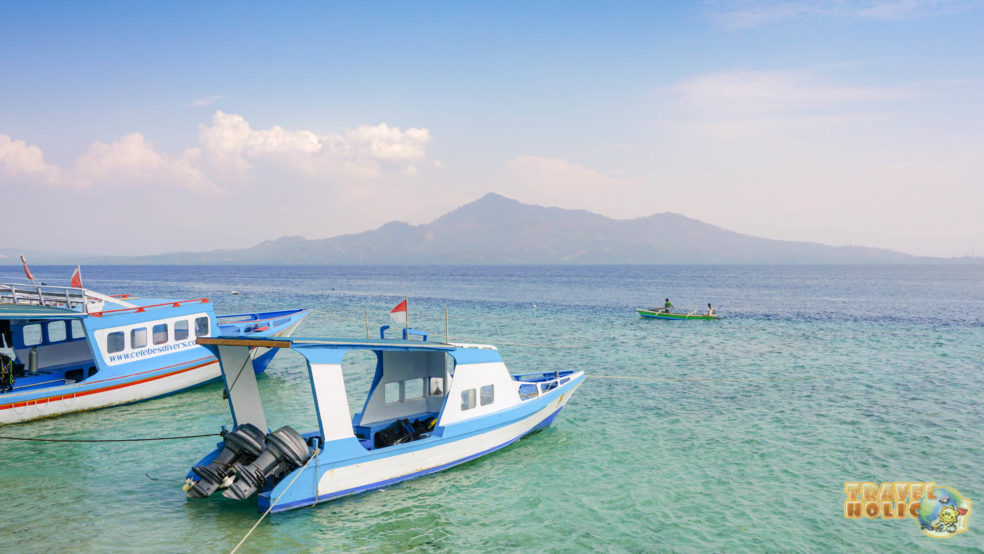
{"type": "Point", "coordinates": [431, 406]}
{"type": "Point", "coordinates": [70, 349]}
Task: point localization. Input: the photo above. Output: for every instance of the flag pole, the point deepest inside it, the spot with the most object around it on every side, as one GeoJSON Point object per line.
{"type": "Point", "coordinates": [367, 319]}
{"type": "Point", "coordinates": [85, 299]}
{"type": "Point", "coordinates": [27, 272]}
{"type": "Point", "coordinates": [406, 327]}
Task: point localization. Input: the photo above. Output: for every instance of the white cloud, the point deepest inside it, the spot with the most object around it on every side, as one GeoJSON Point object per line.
{"type": "Point", "coordinates": [226, 153]}
{"type": "Point", "coordinates": [133, 160]}
{"type": "Point", "coordinates": [389, 144]}
{"type": "Point", "coordinates": [21, 159]}
{"type": "Point", "coordinates": [232, 145]}
{"type": "Point", "coordinates": [230, 141]}
{"type": "Point", "coordinates": [754, 13]}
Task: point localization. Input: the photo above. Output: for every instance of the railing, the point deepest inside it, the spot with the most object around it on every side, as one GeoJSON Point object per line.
{"type": "Point", "coordinates": [532, 385]}
{"type": "Point", "coordinates": [44, 295]}
{"type": "Point", "coordinates": [138, 309]}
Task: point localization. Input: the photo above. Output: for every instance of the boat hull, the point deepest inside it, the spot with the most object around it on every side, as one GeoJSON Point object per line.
{"type": "Point", "coordinates": [148, 383]}
{"type": "Point", "coordinates": [650, 314]}
{"type": "Point", "coordinates": [110, 392]}
{"type": "Point", "coordinates": [380, 468]}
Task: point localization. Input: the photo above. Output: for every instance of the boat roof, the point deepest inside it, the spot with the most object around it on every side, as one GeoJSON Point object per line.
{"type": "Point", "coordinates": [340, 343]}
{"type": "Point", "coordinates": [31, 311]}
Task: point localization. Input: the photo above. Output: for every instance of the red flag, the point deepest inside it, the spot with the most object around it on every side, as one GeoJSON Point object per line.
{"type": "Point", "coordinates": [26, 271]}
{"type": "Point", "coordinates": [77, 278]}
{"type": "Point", "coordinates": [399, 313]}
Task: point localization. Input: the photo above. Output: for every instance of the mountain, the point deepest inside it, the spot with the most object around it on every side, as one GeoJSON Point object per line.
{"type": "Point", "coordinates": [499, 230]}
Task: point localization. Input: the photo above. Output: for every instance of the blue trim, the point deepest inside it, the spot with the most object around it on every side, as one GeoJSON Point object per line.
{"type": "Point", "coordinates": [475, 355]}
{"type": "Point", "coordinates": [320, 355]}
{"type": "Point", "coordinates": [263, 501]}
{"type": "Point", "coordinates": [261, 363]}
{"type": "Point", "coordinates": [376, 378]}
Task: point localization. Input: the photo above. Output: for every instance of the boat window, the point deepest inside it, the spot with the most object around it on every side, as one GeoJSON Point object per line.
{"type": "Point", "coordinates": [436, 386]}
{"type": "Point", "coordinates": [413, 388]}
{"type": "Point", "coordinates": [138, 338]}
{"type": "Point", "coordinates": [57, 331]}
{"type": "Point", "coordinates": [114, 342]}
{"type": "Point", "coordinates": [78, 331]}
{"type": "Point", "coordinates": [467, 399]}
{"type": "Point", "coordinates": [32, 334]}
{"type": "Point", "coordinates": [181, 330]}
{"type": "Point", "coordinates": [160, 333]}
{"type": "Point", "coordinates": [391, 392]}
{"type": "Point", "coordinates": [201, 327]}
{"type": "Point", "coordinates": [487, 394]}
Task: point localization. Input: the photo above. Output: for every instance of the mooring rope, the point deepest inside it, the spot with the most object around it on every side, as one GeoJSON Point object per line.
{"type": "Point", "coordinates": [274, 503]}
{"type": "Point", "coordinates": [141, 439]}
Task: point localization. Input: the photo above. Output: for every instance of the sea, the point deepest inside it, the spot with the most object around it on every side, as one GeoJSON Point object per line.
{"type": "Point", "coordinates": [735, 435]}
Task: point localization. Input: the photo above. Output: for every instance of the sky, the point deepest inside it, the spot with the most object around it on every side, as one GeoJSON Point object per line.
{"type": "Point", "coordinates": [149, 127]}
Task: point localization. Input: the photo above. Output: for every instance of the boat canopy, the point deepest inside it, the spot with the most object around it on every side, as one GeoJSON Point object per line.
{"type": "Point", "coordinates": [34, 312]}
{"type": "Point", "coordinates": [342, 344]}
{"type": "Point", "coordinates": [324, 357]}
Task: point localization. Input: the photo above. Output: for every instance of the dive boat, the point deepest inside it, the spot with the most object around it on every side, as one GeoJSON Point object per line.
{"type": "Point", "coordinates": [431, 406]}
{"type": "Point", "coordinates": [70, 349]}
{"type": "Point", "coordinates": [659, 314]}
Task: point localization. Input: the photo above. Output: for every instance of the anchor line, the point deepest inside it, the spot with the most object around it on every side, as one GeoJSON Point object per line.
{"type": "Point", "coordinates": [274, 503]}
{"type": "Point", "coordinates": [139, 439]}
{"type": "Point", "coordinates": [228, 391]}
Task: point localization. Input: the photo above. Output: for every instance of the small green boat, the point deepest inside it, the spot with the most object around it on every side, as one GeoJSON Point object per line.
{"type": "Point", "coordinates": [659, 314]}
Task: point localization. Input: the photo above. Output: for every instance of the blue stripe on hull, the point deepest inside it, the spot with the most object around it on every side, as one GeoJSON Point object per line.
{"type": "Point", "coordinates": [262, 362]}
{"type": "Point", "coordinates": [264, 501]}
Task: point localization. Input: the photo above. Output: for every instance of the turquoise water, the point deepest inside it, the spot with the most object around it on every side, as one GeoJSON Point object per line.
{"type": "Point", "coordinates": [732, 435]}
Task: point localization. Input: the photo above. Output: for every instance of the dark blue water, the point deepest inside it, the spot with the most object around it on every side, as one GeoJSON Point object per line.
{"type": "Point", "coordinates": [735, 434]}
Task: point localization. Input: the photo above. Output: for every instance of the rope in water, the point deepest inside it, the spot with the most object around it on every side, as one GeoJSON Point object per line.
{"type": "Point", "coordinates": [274, 503]}
{"type": "Point", "coordinates": [706, 380]}
{"type": "Point", "coordinates": [141, 439]}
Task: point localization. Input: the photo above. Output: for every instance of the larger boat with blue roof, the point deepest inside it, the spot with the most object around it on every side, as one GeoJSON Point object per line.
{"type": "Point", "coordinates": [430, 406]}
{"type": "Point", "coordinates": [69, 349]}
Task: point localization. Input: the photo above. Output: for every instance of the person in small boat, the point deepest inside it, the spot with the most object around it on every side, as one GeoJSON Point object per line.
{"type": "Point", "coordinates": [667, 306]}
{"type": "Point", "coordinates": [710, 311]}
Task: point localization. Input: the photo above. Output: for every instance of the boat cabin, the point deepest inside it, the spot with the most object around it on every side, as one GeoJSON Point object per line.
{"type": "Point", "coordinates": [419, 388]}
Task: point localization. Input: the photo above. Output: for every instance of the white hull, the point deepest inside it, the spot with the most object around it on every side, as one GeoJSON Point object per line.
{"type": "Point", "coordinates": [65, 400]}
{"type": "Point", "coordinates": [351, 479]}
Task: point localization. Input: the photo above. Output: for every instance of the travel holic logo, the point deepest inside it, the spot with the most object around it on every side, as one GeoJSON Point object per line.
{"type": "Point", "coordinates": [941, 511]}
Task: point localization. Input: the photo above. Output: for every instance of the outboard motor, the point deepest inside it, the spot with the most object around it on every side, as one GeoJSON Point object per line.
{"type": "Point", "coordinates": [243, 444]}
{"type": "Point", "coordinates": [285, 451]}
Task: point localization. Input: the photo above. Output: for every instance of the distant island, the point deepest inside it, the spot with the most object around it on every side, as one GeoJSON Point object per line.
{"type": "Point", "coordinates": [499, 230]}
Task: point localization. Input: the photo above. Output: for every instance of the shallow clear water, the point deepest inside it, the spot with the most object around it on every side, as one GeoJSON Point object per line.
{"type": "Point", "coordinates": [728, 435]}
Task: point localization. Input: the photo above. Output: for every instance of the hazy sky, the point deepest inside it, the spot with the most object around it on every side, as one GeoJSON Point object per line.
{"type": "Point", "coordinates": [145, 127]}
